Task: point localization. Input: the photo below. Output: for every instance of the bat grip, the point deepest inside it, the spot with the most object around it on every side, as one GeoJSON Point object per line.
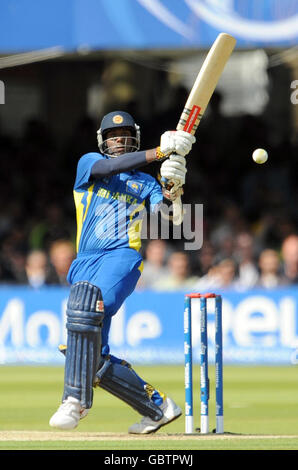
{"type": "Point", "coordinates": [178, 212]}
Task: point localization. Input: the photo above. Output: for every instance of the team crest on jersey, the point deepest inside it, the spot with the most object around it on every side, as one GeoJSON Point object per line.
{"type": "Point", "coordinates": [133, 187]}
{"type": "Point", "coordinates": [117, 119]}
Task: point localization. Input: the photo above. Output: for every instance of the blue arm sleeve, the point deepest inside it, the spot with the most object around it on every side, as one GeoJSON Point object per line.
{"type": "Point", "coordinates": [112, 166]}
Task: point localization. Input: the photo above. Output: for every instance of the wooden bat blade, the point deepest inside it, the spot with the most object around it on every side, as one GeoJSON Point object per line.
{"type": "Point", "coordinates": [206, 82]}
{"type": "Point", "coordinates": [200, 95]}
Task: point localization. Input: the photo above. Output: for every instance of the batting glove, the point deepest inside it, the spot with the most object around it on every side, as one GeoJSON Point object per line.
{"type": "Point", "coordinates": [174, 169]}
{"type": "Point", "coordinates": [176, 142]}
{"type": "Point", "coordinates": [173, 193]}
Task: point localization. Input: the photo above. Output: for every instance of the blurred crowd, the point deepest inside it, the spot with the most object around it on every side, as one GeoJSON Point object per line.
{"type": "Point", "coordinates": [236, 264]}
{"type": "Point", "coordinates": [250, 233]}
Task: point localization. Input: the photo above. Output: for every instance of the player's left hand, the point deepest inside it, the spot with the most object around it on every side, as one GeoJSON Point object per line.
{"type": "Point", "coordinates": [179, 142]}
{"type": "Point", "coordinates": [174, 169]}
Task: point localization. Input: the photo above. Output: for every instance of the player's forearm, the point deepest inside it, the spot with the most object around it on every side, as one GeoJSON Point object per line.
{"type": "Point", "coordinates": [126, 162]}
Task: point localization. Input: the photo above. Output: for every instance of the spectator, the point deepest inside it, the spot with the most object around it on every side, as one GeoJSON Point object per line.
{"type": "Point", "coordinates": [227, 274]}
{"type": "Point", "coordinates": [247, 266]}
{"type": "Point", "coordinates": [225, 247]}
{"type": "Point", "coordinates": [52, 227]}
{"type": "Point", "coordinates": [289, 251]}
{"type": "Point", "coordinates": [154, 263]}
{"type": "Point", "coordinates": [62, 254]}
{"type": "Point", "coordinates": [37, 269]}
{"type": "Point", "coordinates": [209, 281]}
{"type": "Point", "coordinates": [230, 223]}
{"type": "Point", "coordinates": [15, 266]}
{"type": "Point", "coordinates": [269, 264]}
{"type": "Point", "coordinates": [223, 275]}
{"type": "Point", "coordinates": [205, 259]}
{"type": "Point", "coordinates": [179, 276]}
{"type": "Point", "coordinates": [13, 255]}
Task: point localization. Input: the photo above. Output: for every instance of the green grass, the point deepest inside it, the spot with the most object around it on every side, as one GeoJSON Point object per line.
{"type": "Point", "coordinates": [258, 401]}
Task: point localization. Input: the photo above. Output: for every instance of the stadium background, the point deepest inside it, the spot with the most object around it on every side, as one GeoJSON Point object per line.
{"type": "Point", "coordinates": [63, 65]}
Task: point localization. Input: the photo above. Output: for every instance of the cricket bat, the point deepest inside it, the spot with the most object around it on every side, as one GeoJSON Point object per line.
{"type": "Point", "coordinates": [200, 95]}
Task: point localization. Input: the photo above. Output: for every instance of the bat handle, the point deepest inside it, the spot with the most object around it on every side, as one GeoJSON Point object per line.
{"type": "Point", "coordinates": [178, 212]}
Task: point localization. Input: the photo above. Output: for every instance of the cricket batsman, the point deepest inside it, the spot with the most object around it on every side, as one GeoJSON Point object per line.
{"type": "Point", "coordinates": [111, 197]}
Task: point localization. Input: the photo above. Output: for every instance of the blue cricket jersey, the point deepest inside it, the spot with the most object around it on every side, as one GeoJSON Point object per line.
{"type": "Point", "coordinates": [110, 210]}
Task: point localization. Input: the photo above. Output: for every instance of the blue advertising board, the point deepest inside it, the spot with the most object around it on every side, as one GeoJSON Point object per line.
{"type": "Point", "coordinates": [259, 327]}
{"type": "Point", "coordinates": [27, 25]}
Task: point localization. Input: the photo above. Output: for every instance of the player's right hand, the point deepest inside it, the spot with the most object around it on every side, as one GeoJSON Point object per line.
{"type": "Point", "coordinates": [179, 142]}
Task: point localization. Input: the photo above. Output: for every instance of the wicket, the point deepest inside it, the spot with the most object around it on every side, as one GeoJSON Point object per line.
{"type": "Point", "coordinates": [204, 377]}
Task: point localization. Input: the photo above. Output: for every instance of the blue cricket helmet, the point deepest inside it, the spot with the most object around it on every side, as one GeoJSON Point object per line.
{"type": "Point", "coordinates": [114, 120]}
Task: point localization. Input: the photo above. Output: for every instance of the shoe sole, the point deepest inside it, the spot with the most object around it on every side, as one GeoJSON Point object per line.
{"type": "Point", "coordinates": [62, 428]}
{"type": "Point", "coordinates": [160, 426]}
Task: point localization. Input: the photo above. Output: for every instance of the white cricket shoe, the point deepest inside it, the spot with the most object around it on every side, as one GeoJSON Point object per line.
{"type": "Point", "coordinates": [170, 410]}
{"type": "Point", "coordinates": [68, 414]}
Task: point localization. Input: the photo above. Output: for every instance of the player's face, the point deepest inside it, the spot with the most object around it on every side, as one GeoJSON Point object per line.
{"type": "Point", "coordinates": [119, 141]}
